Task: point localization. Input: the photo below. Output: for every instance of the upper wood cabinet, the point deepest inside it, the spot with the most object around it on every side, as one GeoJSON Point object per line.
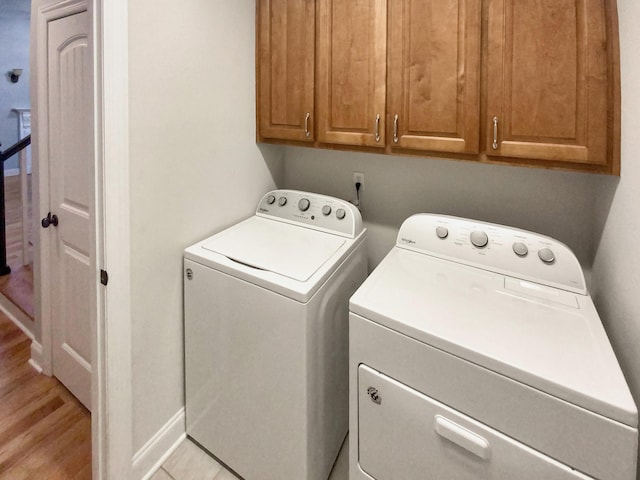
{"type": "Point", "coordinates": [434, 75]}
{"type": "Point", "coordinates": [352, 51]}
{"type": "Point", "coordinates": [285, 69]}
{"type": "Point", "coordinates": [527, 82]}
{"type": "Point", "coordinates": [548, 81]}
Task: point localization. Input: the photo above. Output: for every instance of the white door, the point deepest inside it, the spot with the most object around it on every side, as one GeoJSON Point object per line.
{"type": "Point", "coordinates": [71, 197]}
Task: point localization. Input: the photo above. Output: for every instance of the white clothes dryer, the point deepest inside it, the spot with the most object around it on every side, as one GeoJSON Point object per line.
{"type": "Point", "coordinates": [266, 336]}
{"type": "Point", "coordinates": [476, 353]}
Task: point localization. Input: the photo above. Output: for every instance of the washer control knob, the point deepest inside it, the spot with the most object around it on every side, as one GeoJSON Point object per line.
{"type": "Point", "coordinates": [442, 232]}
{"type": "Point", "coordinates": [271, 199]}
{"type": "Point", "coordinates": [340, 213]}
{"type": "Point", "coordinates": [520, 249]}
{"type": "Point", "coordinates": [303, 204]}
{"type": "Point", "coordinates": [282, 201]}
{"type": "Point", "coordinates": [326, 210]}
{"type": "Point", "coordinates": [479, 239]}
{"type": "Point", "coordinates": [547, 255]}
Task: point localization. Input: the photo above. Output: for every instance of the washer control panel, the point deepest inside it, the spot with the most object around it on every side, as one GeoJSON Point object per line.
{"type": "Point", "coordinates": [511, 251]}
{"type": "Point", "coordinates": [320, 212]}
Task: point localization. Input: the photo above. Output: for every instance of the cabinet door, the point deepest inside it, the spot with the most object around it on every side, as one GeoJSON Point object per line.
{"type": "Point", "coordinates": [547, 80]}
{"type": "Point", "coordinates": [286, 48]}
{"type": "Point", "coordinates": [434, 70]}
{"type": "Point", "coordinates": [352, 46]}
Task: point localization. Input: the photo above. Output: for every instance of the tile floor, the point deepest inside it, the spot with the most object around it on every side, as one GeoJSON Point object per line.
{"type": "Point", "coordinates": [189, 462]}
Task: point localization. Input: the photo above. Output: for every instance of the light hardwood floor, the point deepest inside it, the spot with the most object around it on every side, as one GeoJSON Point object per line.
{"type": "Point", "coordinates": [45, 433]}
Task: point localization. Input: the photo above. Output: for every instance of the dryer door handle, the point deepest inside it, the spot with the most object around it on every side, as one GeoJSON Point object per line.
{"type": "Point", "coordinates": [462, 437]}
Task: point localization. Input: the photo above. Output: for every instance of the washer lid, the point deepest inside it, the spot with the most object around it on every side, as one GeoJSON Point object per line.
{"type": "Point", "coordinates": [291, 251]}
{"type": "Point", "coordinates": [549, 339]}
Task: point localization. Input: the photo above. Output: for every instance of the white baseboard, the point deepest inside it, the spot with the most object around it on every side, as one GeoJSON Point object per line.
{"type": "Point", "coordinates": [36, 356]}
{"type": "Point", "coordinates": [159, 447]}
{"type": "Point", "coordinates": [22, 321]}
{"type": "Point", "coordinates": [17, 316]}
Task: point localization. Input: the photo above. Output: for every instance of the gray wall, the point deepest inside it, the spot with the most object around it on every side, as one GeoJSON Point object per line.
{"type": "Point", "coordinates": [616, 271]}
{"type": "Point", "coordinates": [14, 53]}
{"type": "Point", "coordinates": [195, 169]}
{"type": "Point", "coordinates": [558, 204]}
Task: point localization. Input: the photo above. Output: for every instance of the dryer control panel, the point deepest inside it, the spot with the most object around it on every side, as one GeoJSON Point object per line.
{"type": "Point", "coordinates": [510, 251]}
{"type": "Point", "coordinates": [319, 212]}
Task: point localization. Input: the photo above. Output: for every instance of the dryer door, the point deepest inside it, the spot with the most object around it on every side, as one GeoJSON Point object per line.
{"type": "Point", "coordinates": [405, 434]}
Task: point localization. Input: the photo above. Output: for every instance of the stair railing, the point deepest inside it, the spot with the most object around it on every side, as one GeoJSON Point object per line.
{"type": "Point", "coordinates": [18, 147]}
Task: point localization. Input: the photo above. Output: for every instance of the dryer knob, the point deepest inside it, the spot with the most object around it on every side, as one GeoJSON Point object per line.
{"type": "Point", "coordinates": [520, 249]}
{"type": "Point", "coordinates": [442, 232]}
{"type": "Point", "coordinates": [340, 213]}
{"type": "Point", "coordinates": [479, 239]}
{"type": "Point", "coordinates": [282, 201]}
{"type": "Point", "coordinates": [303, 204]}
{"type": "Point", "coordinates": [326, 210]}
{"type": "Point", "coordinates": [271, 199]}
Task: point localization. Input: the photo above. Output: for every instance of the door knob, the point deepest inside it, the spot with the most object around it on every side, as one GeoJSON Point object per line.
{"type": "Point", "coordinates": [49, 220]}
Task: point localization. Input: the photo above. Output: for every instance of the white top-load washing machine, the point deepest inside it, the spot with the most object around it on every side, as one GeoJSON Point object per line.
{"type": "Point", "coordinates": [477, 353]}
{"type": "Point", "coordinates": [266, 336]}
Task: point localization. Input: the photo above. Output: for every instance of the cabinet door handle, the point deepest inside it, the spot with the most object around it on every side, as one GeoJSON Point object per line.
{"type": "Point", "coordinates": [307, 132]}
{"type": "Point", "coordinates": [495, 133]}
{"type": "Point", "coordinates": [395, 129]}
{"type": "Point", "coordinates": [377, 133]}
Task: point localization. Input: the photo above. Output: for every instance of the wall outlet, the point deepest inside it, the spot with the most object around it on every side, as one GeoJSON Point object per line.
{"type": "Point", "coordinates": [359, 177]}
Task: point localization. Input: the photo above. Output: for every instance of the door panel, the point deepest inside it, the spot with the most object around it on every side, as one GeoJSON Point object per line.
{"type": "Point", "coordinates": [352, 48]}
{"type": "Point", "coordinates": [71, 190]}
{"type": "Point", "coordinates": [547, 80]}
{"type": "Point", "coordinates": [434, 72]}
{"type": "Point", "coordinates": [286, 61]}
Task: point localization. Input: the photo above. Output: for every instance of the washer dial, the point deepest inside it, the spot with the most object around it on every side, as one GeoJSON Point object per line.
{"type": "Point", "coordinates": [547, 256]}
{"type": "Point", "coordinates": [479, 239]}
{"type": "Point", "coordinates": [520, 249]}
{"type": "Point", "coordinates": [303, 204]}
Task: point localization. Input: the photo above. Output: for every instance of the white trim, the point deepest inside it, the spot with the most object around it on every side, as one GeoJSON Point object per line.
{"type": "Point", "coordinates": [36, 356]}
{"type": "Point", "coordinates": [159, 447]}
{"type": "Point", "coordinates": [105, 449]}
{"type": "Point", "coordinates": [24, 203]}
{"type": "Point", "coordinates": [16, 315]}
{"type": "Point", "coordinates": [112, 364]}
{"type": "Point", "coordinates": [19, 318]}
